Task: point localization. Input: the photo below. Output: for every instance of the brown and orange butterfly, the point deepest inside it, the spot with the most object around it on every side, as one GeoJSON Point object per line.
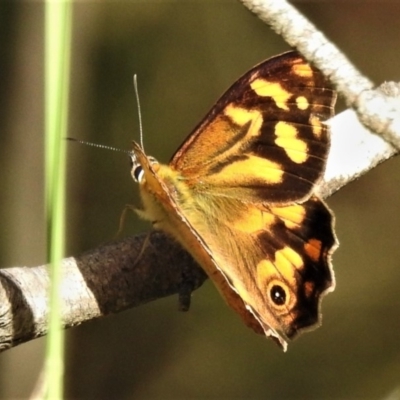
{"type": "Point", "coordinates": [238, 195]}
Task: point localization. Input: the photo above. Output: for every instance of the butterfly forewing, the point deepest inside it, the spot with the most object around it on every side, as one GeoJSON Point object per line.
{"type": "Point", "coordinates": [266, 132]}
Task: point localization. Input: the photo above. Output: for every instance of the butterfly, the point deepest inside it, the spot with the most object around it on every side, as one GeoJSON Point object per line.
{"type": "Point", "coordinates": [238, 195]}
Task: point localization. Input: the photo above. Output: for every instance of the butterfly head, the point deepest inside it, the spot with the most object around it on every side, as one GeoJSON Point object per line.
{"type": "Point", "coordinates": [137, 170]}
{"type": "Point", "coordinates": [140, 163]}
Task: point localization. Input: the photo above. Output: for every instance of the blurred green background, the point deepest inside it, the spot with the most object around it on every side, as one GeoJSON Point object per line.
{"type": "Point", "coordinates": [186, 53]}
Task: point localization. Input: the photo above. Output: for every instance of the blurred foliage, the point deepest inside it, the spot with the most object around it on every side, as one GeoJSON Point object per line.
{"type": "Point", "coordinates": [186, 54]}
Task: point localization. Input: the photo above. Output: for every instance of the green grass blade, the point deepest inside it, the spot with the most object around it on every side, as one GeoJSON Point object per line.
{"type": "Point", "coordinates": [58, 21]}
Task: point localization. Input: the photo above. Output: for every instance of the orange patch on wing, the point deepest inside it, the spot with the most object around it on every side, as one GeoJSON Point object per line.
{"type": "Point", "coordinates": [313, 249]}
{"type": "Point", "coordinates": [309, 289]}
{"type": "Point", "coordinates": [303, 70]}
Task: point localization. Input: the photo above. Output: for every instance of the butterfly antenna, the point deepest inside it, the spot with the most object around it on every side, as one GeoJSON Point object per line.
{"type": "Point", "coordinates": [101, 146]}
{"type": "Point", "coordinates": [135, 84]}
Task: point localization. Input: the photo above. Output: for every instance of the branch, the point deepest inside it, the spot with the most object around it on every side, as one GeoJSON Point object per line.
{"type": "Point", "coordinates": [105, 280]}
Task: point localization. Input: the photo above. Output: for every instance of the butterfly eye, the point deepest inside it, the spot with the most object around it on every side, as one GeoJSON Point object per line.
{"type": "Point", "coordinates": [138, 173]}
{"type": "Point", "coordinates": [278, 295]}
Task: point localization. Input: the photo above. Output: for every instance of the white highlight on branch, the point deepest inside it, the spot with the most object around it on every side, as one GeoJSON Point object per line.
{"type": "Point", "coordinates": [354, 151]}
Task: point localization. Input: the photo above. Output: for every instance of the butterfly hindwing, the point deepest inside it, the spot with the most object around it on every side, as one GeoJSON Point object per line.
{"type": "Point", "coordinates": [276, 258]}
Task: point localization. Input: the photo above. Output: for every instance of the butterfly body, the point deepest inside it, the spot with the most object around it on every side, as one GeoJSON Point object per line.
{"type": "Point", "coordinates": [238, 195]}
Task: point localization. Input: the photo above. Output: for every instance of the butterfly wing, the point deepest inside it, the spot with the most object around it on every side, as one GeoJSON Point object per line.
{"type": "Point", "coordinates": [277, 259]}
{"type": "Point", "coordinates": [265, 139]}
